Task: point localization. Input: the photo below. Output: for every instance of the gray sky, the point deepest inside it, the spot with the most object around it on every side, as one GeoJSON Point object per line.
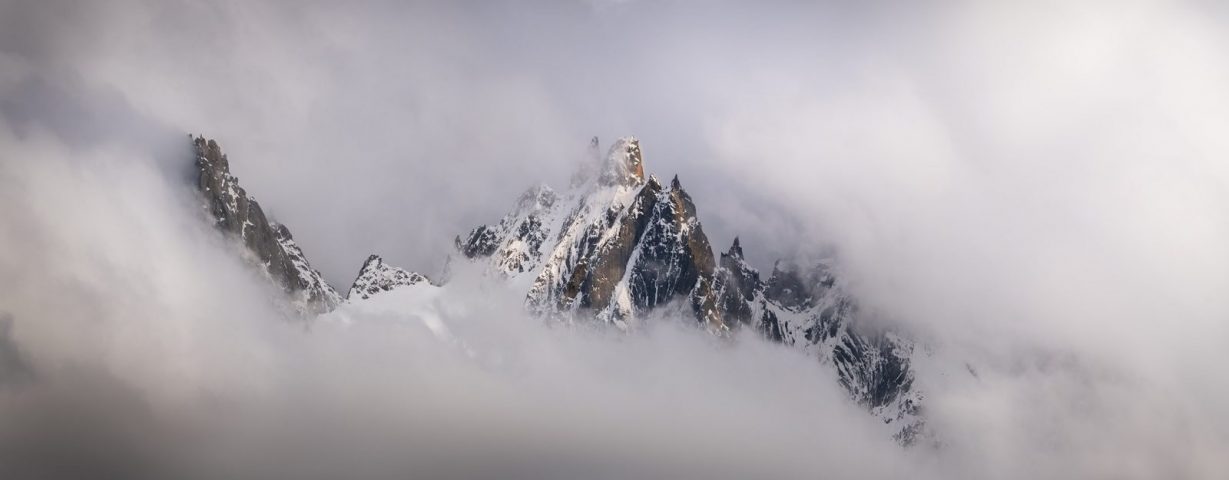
{"type": "Point", "coordinates": [413, 123]}
{"type": "Point", "coordinates": [389, 128]}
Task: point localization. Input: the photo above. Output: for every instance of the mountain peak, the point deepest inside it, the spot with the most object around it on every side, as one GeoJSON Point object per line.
{"type": "Point", "coordinates": [540, 197]}
{"type": "Point", "coordinates": [624, 164]}
{"type": "Point", "coordinates": [238, 215]}
{"type": "Point", "coordinates": [619, 245]}
{"type": "Point", "coordinates": [736, 250]}
{"type": "Point", "coordinates": [372, 261]}
{"type": "Point", "coordinates": [376, 276]}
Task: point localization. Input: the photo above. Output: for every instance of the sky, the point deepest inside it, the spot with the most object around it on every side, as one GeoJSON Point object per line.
{"type": "Point", "coordinates": [1039, 191]}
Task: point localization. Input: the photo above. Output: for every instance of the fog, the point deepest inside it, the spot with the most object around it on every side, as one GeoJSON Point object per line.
{"type": "Point", "coordinates": [1040, 194]}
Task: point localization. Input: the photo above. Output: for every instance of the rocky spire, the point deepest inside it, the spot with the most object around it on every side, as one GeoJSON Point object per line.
{"type": "Point", "coordinates": [624, 165]}
{"type": "Point", "coordinates": [618, 248]}
{"type": "Point", "coordinates": [239, 216]}
{"type": "Point", "coordinates": [736, 250]}
{"type": "Point", "coordinates": [738, 289]}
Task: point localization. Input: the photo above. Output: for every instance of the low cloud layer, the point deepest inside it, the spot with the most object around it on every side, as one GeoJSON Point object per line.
{"type": "Point", "coordinates": [1039, 193]}
{"type": "Point", "coordinates": [155, 352]}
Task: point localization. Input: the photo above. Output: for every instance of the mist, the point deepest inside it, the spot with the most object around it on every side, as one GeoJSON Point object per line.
{"type": "Point", "coordinates": [1040, 194]}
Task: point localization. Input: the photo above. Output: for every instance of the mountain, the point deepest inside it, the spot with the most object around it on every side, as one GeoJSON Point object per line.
{"type": "Point", "coordinates": [616, 246]}
{"type": "Point", "coordinates": [269, 245]}
{"type": "Point", "coordinates": [377, 276]}
{"type": "Point", "coordinates": [807, 307]}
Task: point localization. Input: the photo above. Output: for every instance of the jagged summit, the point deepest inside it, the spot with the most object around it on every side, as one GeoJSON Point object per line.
{"type": "Point", "coordinates": [624, 164]}
{"type": "Point", "coordinates": [515, 242]}
{"type": "Point", "coordinates": [270, 244]}
{"type": "Point", "coordinates": [736, 250]}
{"type": "Point", "coordinates": [611, 245]}
{"type": "Point", "coordinates": [615, 249]}
{"type": "Point", "coordinates": [15, 367]}
{"type": "Point", "coordinates": [739, 293]}
{"type": "Point", "coordinates": [376, 276]}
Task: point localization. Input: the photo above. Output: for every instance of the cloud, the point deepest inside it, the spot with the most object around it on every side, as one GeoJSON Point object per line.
{"type": "Point", "coordinates": [1038, 192]}
{"type": "Point", "coordinates": [1044, 193]}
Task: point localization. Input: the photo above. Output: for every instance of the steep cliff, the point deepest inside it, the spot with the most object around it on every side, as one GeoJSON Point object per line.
{"type": "Point", "coordinates": [272, 247]}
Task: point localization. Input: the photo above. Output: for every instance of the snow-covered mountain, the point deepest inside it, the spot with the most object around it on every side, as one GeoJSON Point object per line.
{"type": "Point", "coordinates": [377, 276]}
{"type": "Point", "coordinates": [269, 244]}
{"type": "Point", "coordinates": [808, 308]}
{"type": "Point", "coordinates": [614, 247]}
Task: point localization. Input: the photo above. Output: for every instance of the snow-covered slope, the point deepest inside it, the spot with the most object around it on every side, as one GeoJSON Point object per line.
{"type": "Point", "coordinates": [270, 244]}
{"type": "Point", "coordinates": [617, 245]}
{"type": "Point", "coordinates": [376, 277]}
{"type": "Point", "coordinates": [614, 244]}
{"type": "Point", "coordinates": [514, 245]}
{"type": "Point", "coordinates": [808, 307]}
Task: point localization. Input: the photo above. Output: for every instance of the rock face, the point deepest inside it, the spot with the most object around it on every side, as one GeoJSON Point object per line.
{"type": "Point", "coordinates": [624, 165]}
{"type": "Point", "coordinates": [808, 308]}
{"type": "Point", "coordinates": [673, 259]}
{"type": "Point", "coordinates": [739, 294]}
{"type": "Point", "coordinates": [617, 245]}
{"type": "Point", "coordinates": [377, 276]}
{"type": "Point", "coordinates": [518, 238]}
{"type": "Point", "coordinates": [270, 244]}
{"type": "Point", "coordinates": [614, 245]}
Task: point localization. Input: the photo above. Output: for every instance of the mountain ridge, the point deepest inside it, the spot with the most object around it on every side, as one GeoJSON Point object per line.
{"type": "Point", "coordinates": [612, 248]}
{"type": "Point", "coordinates": [239, 216]}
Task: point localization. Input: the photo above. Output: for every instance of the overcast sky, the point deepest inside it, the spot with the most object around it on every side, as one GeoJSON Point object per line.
{"type": "Point", "coordinates": [391, 127]}
{"type": "Point", "coordinates": [1008, 179]}
{"type": "Point", "coordinates": [413, 123]}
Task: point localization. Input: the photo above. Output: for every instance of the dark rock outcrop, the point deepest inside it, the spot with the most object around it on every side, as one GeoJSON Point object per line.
{"type": "Point", "coordinates": [616, 260]}
{"type": "Point", "coordinates": [602, 264]}
{"type": "Point", "coordinates": [480, 242]}
{"type": "Point", "coordinates": [270, 244]}
{"type": "Point", "coordinates": [675, 259]}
